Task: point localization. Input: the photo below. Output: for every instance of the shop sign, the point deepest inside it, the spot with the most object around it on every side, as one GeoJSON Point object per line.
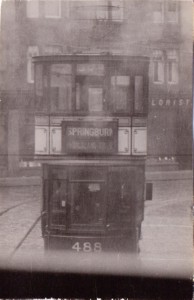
{"type": "Point", "coordinates": [89, 137]}
{"type": "Point", "coordinates": [170, 102]}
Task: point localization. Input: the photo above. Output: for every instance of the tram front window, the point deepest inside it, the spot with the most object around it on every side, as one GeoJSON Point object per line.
{"type": "Point", "coordinates": [87, 203]}
{"type": "Point", "coordinates": [120, 93]}
{"type": "Point", "coordinates": [89, 87]}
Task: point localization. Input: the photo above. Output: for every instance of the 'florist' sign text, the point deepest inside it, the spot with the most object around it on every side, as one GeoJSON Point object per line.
{"type": "Point", "coordinates": [170, 102]}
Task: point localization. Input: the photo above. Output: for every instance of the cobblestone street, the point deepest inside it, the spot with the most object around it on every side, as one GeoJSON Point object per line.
{"type": "Point", "coordinates": [167, 227]}
{"type": "Point", "coordinates": [20, 207]}
{"type": "Point", "coordinates": [166, 230]}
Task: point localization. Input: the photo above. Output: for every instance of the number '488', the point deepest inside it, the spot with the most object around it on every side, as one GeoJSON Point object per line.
{"type": "Point", "coordinates": [87, 247]}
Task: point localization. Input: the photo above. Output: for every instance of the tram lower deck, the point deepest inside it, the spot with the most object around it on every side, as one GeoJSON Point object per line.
{"type": "Point", "coordinates": [93, 206]}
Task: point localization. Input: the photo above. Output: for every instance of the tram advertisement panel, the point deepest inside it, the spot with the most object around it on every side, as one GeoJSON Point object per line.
{"type": "Point", "coordinates": [90, 137]}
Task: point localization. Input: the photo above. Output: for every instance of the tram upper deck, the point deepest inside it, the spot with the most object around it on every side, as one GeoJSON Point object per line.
{"type": "Point", "coordinates": [91, 104]}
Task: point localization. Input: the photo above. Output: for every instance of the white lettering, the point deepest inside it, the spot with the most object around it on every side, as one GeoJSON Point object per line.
{"type": "Point", "coordinates": [168, 102]}
{"type": "Point", "coordinates": [161, 102]}
{"type": "Point", "coordinates": [70, 131]}
{"type": "Point", "coordinates": [74, 130]}
{"type": "Point", "coordinates": [90, 132]}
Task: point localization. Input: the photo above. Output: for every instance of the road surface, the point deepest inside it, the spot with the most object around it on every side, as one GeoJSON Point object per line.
{"type": "Point", "coordinates": [167, 233]}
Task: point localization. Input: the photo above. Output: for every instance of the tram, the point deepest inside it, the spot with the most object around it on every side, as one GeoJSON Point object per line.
{"type": "Point", "coordinates": [91, 139]}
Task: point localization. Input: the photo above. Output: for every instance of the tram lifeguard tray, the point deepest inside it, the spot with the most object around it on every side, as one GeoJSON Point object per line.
{"type": "Point", "coordinates": [90, 137]}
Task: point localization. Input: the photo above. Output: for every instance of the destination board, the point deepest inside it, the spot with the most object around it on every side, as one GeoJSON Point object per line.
{"type": "Point", "coordinates": [90, 137]}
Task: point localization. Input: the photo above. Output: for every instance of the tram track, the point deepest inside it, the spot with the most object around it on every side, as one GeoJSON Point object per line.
{"type": "Point", "coordinates": [19, 214]}
{"type": "Point", "coordinates": [25, 236]}
{"type": "Point", "coordinates": [12, 207]}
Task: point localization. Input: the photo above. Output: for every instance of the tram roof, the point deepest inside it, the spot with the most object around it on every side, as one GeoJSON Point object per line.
{"type": "Point", "coordinates": [87, 57]}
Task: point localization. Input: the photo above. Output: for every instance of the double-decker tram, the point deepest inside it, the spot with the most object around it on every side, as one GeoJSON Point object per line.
{"type": "Point", "coordinates": [91, 138]}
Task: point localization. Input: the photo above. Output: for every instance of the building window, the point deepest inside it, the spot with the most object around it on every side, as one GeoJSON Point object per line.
{"type": "Point", "coordinates": [32, 51]}
{"type": "Point", "coordinates": [53, 49]}
{"type": "Point", "coordinates": [52, 8]}
{"type": "Point", "coordinates": [32, 8]}
{"type": "Point", "coordinates": [158, 66]}
{"type": "Point", "coordinates": [117, 10]}
{"type": "Point", "coordinates": [172, 12]}
{"type": "Point", "coordinates": [81, 10]}
{"type": "Point", "coordinates": [158, 13]}
{"type": "Point", "coordinates": [110, 10]}
{"type": "Point", "coordinates": [172, 67]}
{"type": "Point", "coordinates": [102, 11]}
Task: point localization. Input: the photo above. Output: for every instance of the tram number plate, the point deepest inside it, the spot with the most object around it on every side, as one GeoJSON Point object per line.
{"type": "Point", "coordinates": [87, 247]}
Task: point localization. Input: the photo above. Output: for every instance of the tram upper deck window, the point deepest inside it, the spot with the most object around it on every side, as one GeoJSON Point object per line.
{"type": "Point", "coordinates": [41, 87]}
{"type": "Point", "coordinates": [121, 88]}
{"type": "Point", "coordinates": [61, 87]}
{"type": "Point", "coordinates": [89, 87]}
{"type": "Point", "coordinates": [120, 93]}
{"type": "Point", "coordinates": [93, 88]}
{"type": "Point", "coordinates": [139, 96]}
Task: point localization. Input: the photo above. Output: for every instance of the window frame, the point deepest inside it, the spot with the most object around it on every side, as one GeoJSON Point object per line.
{"type": "Point", "coordinates": [84, 107]}
{"type": "Point", "coordinates": [74, 225]}
{"type": "Point", "coordinates": [52, 49]}
{"type": "Point", "coordinates": [155, 18]}
{"type": "Point", "coordinates": [108, 11]}
{"type": "Point", "coordinates": [50, 16]}
{"type": "Point", "coordinates": [121, 11]}
{"type": "Point", "coordinates": [31, 52]}
{"type": "Point", "coordinates": [42, 106]}
{"type": "Point", "coordinates": [119, 68]}
{"type": "Point", "coordinates": [128, 89]}
{"type": "Point", "coordinates": [70, 103]}
{"type": "Point", "coordinates": [62, 211]}
{"type": "Point", "coordinates": [87, 175]}
{"type": "Point", "coordinates": [159, 59]}
{"type": "Point", "coordinates": [99, 82]}
{"type": "Point", "coordinates": [174, 60]}
{"type": "Point", "coordinates": [28, 9]}
{"type": "Point", "coordinates": [169, 13]}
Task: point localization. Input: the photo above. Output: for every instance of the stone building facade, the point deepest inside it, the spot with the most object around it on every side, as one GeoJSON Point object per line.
{"type": "Point", "coordinates": [159, 29]}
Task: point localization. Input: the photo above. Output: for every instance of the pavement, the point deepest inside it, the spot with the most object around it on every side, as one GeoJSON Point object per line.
{"type": "Point", "coordinates": [150, 177]}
